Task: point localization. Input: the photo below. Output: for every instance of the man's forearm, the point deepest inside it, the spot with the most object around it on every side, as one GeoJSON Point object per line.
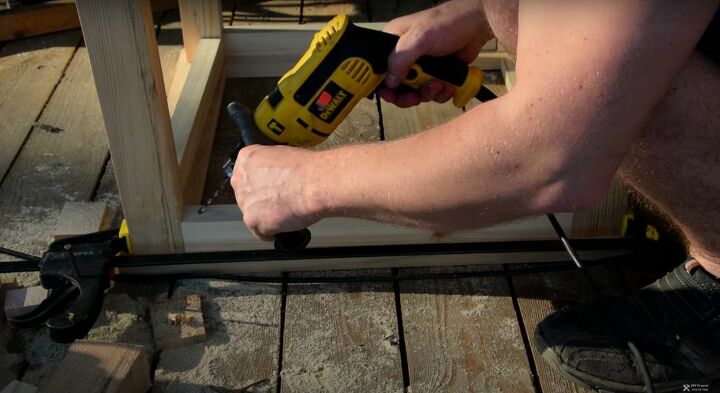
{"type": "Point", "coordinates": [473, 171]}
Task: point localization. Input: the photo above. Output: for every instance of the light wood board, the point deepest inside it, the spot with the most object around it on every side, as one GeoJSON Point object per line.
{"type": "Point", "coordinates": [341, 337]}
{"type": "Point", "coordinates": [79, 218]}
{"type": "Point", "coordinates": [462, 335]}
{"type": "Point", "coordinates": [221, 228]}
{"type": "Point", "coordinates": [324, 10]}
{"type": "Point", "coordinates": [96, 367]}
{"type": "Point", "coordinates": [29, 72]}
{"type": "Point", "coordinates": [36, 19]}
{"type": "Point", "coordinates": [131, 91]}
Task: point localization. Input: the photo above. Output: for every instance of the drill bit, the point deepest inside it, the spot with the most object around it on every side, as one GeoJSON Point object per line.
{"type": "Point", "coordinates": [214, 195]}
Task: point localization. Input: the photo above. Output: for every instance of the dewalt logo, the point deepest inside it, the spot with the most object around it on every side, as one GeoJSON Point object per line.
{"type": "Point", "coordinates": [330, 101]}
{"type": "Point", "coordinates": [334, 104]}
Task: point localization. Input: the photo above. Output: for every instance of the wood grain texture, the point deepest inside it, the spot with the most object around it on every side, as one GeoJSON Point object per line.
{"type": "Point", "coordinates": [324, 10]}
{"type": "Point", "coordinates": [79, 218]}
{"type": "Point", "coordinates": [191, 117]}
{"type": "Point", "coordinates": [539, 295]}
{"type": "Point", "coordinates": [360, 126]}
{"type": "Point", "coordinates": [54, 168]}
{"type": "Point", "coordinates": [341, 337]}
{"type": "Point", "coordinates": [36, 19]}
{"type": "Point", "coordinates": [463, 335]}
{"type": "Point", "coordinates": [605, 218]}
{"type": "Point", "coordinates": [132, 94]}
{"type": "Point", "coordinates": [32, 20]}
{"type": "Point", "coordinates": [23, 300]}
{"type": "Point", "coordinates": [29, 72]}
{"type": "Point", "coordinates": [269, 51]}
{"type": "Point", "coordinates": [96, 367]}
{"type": "Point", "coordinates": [194, 185]}
{"type": "Point", "coordinates": [221, 227]}
{"type": "Point", "coordinates": [178, 321]}
{"type": "Point", "coordinates": [266, 12]}
{"type": "Point", "coordinates": [200, 19]}
{"type": "Point", "coordinates": [242, 322]}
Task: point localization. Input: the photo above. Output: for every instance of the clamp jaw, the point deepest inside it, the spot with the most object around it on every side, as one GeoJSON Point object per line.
{"type": "Point", "coordinates": [76, 272]}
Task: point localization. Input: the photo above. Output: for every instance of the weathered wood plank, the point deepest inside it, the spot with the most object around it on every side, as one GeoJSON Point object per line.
{"type": "Point", "coordinates": [362, 125]}
{"type": "Point", "coordinates": [96, 367]}
{"type": "Point", "coordinates": [29, 71]}
{"type": "Point", "coordinates": [400, 123]}
{"type": "Point", "coordinates": [59, 15]}
{"type": "Point", "coordinates": [54, 168]}
{"type": "Point", "coordinates": [341, 337]}
{"type": "Point", "coordinates": [324, 10]}
{"type": "Point", "coordinates": [242, 322]}
{"type": "Point", "coordinates": [132, 94]}
{"type": "Point", "coordinates": [79, 218]}
{"type": "Point", "coordinates": [266, 12]}
{"type": "Point", "coordinates": [462, 335]}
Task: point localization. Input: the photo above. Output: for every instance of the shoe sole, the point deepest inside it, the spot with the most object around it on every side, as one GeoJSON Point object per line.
{"type": "Point", "coordinates": [605, 386]}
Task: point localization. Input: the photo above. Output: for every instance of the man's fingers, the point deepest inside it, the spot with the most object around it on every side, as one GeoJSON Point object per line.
{"type": "Point", "coordinates": [447, 92]}
{"type": "Point", "coordinates": [406, 100]}
{"type": "Point", "coordinates": [387, 94]}
{"type": "Point", "coordinates": [430, 91]}
{"type": "Point", "coordinates": [409, 47]}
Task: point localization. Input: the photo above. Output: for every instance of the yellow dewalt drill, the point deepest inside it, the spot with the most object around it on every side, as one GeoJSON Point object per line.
{"type": "Point", "coordinates": [343, 64]}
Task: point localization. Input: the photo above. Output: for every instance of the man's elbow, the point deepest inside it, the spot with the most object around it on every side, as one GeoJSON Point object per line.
{"type": "Point", "coordinates": [572, 193]}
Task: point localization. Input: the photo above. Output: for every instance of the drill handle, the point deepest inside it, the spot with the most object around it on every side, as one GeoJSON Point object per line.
{"type": "Point", "coordinates": [466, 80]}
{"type": "Point", "coordinates": [250, 135]}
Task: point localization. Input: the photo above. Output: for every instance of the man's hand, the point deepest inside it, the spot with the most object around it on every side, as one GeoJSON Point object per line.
{"type": "Point", "coordinates": [273, 191]}
{"type": "Point", "coordinates": [456, 27]}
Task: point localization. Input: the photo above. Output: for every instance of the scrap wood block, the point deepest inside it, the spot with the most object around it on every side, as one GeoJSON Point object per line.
{"type": "Point", "coordinates": [22, 300]}
{"type": "Point", "coordinates": [19, 387]}
{"type": "Point", "coordinates": [98, 367]}
{"type": "Point", "coordinates": [178, 322]}
{"type": "Point", "coordinates": [80, 218]}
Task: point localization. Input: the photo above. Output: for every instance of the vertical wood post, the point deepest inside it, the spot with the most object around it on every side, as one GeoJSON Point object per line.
{"type": "Point", "coordinates": [199, 19]}
{"type": "Point", "coordinates": [120, 39]}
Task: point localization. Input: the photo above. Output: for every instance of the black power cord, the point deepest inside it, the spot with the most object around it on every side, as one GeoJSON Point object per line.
{"type": "Point", "coordinates": [639, 361]}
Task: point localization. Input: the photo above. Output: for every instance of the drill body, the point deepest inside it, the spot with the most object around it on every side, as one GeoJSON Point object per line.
{"type": "Point", "coordinates": [344, 64]}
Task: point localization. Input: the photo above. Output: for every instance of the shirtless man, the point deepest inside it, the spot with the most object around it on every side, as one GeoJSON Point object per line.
{"type": "Point", "coordinates": [601, 87]}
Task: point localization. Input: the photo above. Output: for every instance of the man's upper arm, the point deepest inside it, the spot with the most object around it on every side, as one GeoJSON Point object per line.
{"type": "Point", "coordinates": [589, 72]}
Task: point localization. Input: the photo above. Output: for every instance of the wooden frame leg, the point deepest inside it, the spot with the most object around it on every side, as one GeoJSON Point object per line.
{"type": "Point", "coordinates": [120, 39]}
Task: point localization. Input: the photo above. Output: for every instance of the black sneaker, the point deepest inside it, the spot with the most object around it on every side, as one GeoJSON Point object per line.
{"type": "Point", "coordinates": [674, 323]}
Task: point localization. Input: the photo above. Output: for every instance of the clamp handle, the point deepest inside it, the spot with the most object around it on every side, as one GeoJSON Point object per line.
{"type": "Point", "coordinates": [76, 273]}
{"type": "Point", "coordinates": [250, 135]}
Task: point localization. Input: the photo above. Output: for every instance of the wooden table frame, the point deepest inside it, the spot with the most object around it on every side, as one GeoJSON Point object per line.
{"type": "Point", "coordinates": [160, 142]}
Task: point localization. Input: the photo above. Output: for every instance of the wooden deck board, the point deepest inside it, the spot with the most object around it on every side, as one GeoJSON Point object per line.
{"type": "Point", "coordinates": [29, 71]}
{"type": "Point", "coordinates": [324, 10]}
{"type": "Point", "coordinates": [242, 323]}
{"type": "Point", "coordinates": [462, 335]}
{"type": "Point", "coordinates": [54, 168]}
{"type": "Point", "coordinates": [341, 337]}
